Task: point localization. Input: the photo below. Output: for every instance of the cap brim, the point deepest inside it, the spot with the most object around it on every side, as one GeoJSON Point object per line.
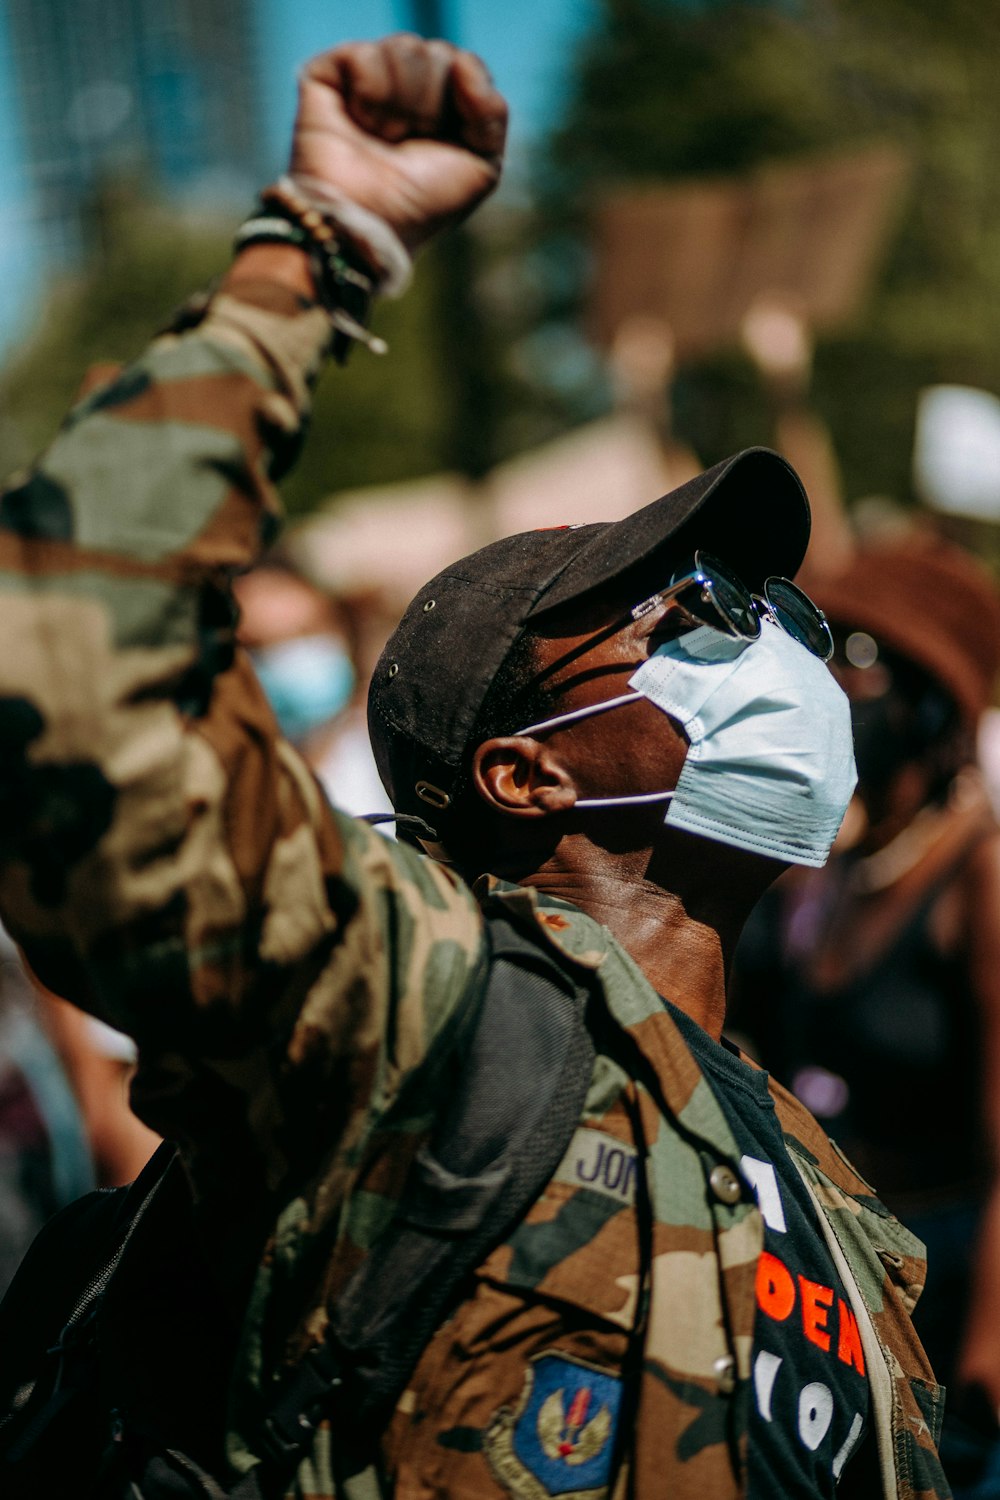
{"type": "Point", "coordinates": [750, 511]}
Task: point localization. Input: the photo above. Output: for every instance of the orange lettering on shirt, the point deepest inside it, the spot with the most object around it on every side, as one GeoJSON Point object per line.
{"type": "Point", "coordinates": [775, 1287]}
{"type": "Point", "coordinates": [849, 1339]}
{"type": "Point", "coordinates": [816, 1298]}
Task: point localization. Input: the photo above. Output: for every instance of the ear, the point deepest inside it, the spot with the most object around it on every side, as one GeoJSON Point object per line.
{"type": "Point", "coordinates": [523, 778]}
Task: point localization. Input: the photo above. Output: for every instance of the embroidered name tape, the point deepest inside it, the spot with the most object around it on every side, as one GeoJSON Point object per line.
{"type": "Point", "coordinates": [601, 1163]}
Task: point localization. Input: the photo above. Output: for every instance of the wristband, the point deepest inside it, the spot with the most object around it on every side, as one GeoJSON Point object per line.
{"type": "Point", "coordinates": [344, 289]}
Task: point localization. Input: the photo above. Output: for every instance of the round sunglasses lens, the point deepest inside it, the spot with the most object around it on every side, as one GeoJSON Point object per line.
{"type": "Point", "coordinates": [731, 599]}
{"type": "Point", "coordinates": [799, 616]}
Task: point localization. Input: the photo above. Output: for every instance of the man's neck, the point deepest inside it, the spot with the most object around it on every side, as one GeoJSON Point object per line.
{"type": "Point", "coordinates": [677, 912]}
{"type": "Point", "coordinates": [682, 958]}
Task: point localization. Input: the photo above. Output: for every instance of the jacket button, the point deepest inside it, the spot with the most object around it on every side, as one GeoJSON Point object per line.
{"type": "Point", "coordinates": [725, 1374]}
{"type": "Point", "coordinates": [725, 1184]}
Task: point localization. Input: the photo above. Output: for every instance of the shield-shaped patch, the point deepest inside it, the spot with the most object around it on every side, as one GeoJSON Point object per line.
{"type": "Point", "coordinates": [559, 1439]}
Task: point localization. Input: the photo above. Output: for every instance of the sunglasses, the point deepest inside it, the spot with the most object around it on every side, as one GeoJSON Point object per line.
{"type": "Point", "coordinates": [708, 593]}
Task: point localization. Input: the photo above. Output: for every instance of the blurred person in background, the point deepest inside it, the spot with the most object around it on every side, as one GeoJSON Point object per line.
{"type": "Point", "coordinates": [65, 1123]}
{"type": "Point", "coordinates": [45, 1162]}
{"type": "Point", "coordinates": [873, 985]}
{"type": "Point", "coordinates": [99, 1062]}
{"type": "Point", "coordinates": [305, 644]}
{"type": "Point", "coordinates": [779, 342]}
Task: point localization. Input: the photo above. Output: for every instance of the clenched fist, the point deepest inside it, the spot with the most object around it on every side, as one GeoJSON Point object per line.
{"type": "Point", "coordinates": [411, 130]}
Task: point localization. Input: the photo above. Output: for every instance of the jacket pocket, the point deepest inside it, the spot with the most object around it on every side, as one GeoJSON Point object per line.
{"type": "Point", "coordinates": [903, 1259]}
{"type": "Point", "coordinates": [579, 1242]}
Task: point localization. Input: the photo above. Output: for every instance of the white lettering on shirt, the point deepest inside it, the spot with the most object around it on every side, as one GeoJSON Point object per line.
{"type": "Point", "coordinates": [765, 1371]}
{"type": "Point", "coordinates": [815, 1413]}
{"type": "Point", "coordinates": [763, 1179]}
{"type": "Point", "coordinates": [848, 1446]}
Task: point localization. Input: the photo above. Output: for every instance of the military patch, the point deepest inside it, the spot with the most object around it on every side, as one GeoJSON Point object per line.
{"type": "Point", "coordinates": [559, 1439]}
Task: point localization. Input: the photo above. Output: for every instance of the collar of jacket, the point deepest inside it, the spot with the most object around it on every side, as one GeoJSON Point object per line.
{"type": "Point", "coordinates": [632, 1002]}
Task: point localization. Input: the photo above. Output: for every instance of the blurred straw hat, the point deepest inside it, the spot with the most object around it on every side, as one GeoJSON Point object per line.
{"type": "Point", "coordinates": [931, 602]}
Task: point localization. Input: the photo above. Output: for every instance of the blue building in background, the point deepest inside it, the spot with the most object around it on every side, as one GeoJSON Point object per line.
{"type": "Point", "coordinates": [194, 99]}
{"type": "Point", "coordinates": [165, 92]}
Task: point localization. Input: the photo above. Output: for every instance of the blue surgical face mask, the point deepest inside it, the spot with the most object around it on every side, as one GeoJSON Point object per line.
{"type": "Point", "coordinates": [770, 764]}
{"type": "Point", "coordinates": [307, 681]}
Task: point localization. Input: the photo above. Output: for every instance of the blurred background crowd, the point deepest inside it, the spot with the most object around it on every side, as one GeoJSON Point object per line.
{"type": "Point", "coordinates": [725, 222]}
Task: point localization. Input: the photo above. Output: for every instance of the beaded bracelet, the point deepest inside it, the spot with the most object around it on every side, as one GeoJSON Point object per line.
{"type": "Point", "coordinates": [343, 289]}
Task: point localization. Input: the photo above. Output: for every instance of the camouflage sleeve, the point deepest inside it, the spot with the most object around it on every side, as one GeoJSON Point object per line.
{"type": "Point", "coordinates": [166, 860]}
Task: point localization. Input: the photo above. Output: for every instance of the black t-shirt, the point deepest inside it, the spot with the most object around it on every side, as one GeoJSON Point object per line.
{"type": "Point", "coordinates": [810, 1388]}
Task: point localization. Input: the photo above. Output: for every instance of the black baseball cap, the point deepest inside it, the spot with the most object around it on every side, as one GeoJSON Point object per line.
{"type": "Point", "coordinates": [430, 683]}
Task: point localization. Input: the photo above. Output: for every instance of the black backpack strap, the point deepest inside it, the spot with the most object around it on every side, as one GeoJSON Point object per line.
{"type": "Point", "coordinates": [514, 1100]}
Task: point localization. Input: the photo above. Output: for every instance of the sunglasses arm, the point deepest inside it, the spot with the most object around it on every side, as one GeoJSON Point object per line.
{"type": "Point", "coordinates": [670, 595]}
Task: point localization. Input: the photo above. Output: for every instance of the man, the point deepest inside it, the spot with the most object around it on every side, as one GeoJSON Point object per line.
{"type": "Point", "coordinates": [303, 991]}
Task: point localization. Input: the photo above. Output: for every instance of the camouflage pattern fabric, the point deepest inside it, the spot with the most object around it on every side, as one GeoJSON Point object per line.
{"type": "Point", "coordinates": [294, 982]}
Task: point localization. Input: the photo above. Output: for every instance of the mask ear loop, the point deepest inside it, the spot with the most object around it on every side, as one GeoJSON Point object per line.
{"type": "Point", "coordinates": [579, 713]}
{"type": "Point", "coordinates": [588, 802]}
{"type": "Point", "coordinates": [592, 709]}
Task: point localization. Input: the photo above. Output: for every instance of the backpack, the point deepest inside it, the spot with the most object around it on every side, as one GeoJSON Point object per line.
{"type": "Point", "coordinates": [124, 1265]}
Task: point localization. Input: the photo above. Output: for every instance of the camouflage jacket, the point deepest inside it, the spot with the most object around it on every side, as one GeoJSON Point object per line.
{"type": "Point", "coordinates": [293, 979]}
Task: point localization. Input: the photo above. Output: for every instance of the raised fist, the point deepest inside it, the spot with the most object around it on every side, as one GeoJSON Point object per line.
{"type": "Point", "coordinates": [412, 130]}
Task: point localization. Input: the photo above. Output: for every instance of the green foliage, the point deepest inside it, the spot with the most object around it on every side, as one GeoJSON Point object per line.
{"type": "Point", "coordinates": [144, 266]}
{"type": "Point", "coordinates": [668, 90]}
{"type": "Point", "coordinates": [376, 422]}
